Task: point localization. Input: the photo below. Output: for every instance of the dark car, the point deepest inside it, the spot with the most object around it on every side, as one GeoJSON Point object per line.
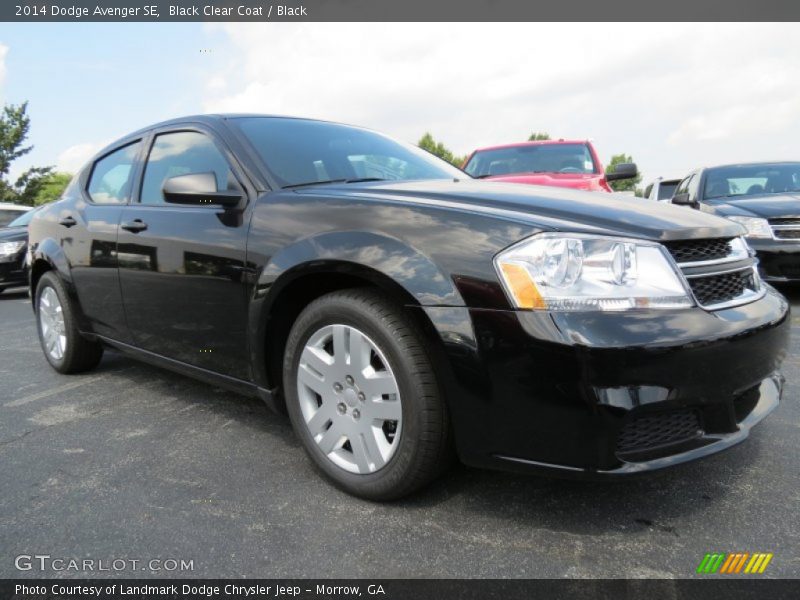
{"type": "Point", "coordinates": [762, 197]}
{"type": "Point", "coordinates": [13, 249]}
{"type": "Point", "coordinates": [399, 310]}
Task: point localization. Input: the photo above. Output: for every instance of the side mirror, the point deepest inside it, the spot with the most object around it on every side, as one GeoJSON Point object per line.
{"type": "Point", "coordinates": [622, 171]}
{"type": "Point", "coordinates": [683, 199]}
{"type": "Point", "coordinates": [198, 189]}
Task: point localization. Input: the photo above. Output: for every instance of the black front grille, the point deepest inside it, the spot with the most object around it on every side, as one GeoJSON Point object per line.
{"type": "Point", "coordinates": [699, 250]}
{"type": "Point", "coordinates": [785, 221]}
{"type": "Point", "coordinates": [717, 289]}
{"type": "Point", "coordinates": [787, 234]}
{"type": "Point", "coordinates": [663, 429]}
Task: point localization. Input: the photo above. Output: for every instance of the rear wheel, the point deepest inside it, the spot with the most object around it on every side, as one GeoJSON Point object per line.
{"type": "Point", "coordinates": [362, 395]}
{"type": "Point", "coordinates": [63, 346]}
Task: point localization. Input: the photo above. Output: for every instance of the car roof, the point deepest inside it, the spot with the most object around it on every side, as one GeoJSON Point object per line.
{"type": "Point", "coordinates": [533, 143]}
{"type": "Point", "coordinates": [753, 164]}
{"type": "Point", "coordinates": [215, 118]}
{"type": "Point", "coordinates": [207, 119]}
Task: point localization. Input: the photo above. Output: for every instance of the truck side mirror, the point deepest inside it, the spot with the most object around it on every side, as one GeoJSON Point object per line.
{"type": "Point", "coordinates": [623, 171]}
{"type": "Point", "coordinates": [682, 199]}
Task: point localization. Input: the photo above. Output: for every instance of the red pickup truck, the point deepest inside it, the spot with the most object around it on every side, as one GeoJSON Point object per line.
{"type": "Point", "coordinates": [561, 163]}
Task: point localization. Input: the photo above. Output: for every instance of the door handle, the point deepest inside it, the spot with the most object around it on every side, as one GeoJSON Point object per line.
{"type": "Point", "coordinates": [67, 221]}
{"type": "Point", "coordinates": [134, 226]}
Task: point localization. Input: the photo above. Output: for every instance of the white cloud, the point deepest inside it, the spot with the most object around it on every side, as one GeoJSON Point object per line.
{"type": "Point", "coordinates": [74, 157]}
{"type": "Point", "coordinates": [673, 95]}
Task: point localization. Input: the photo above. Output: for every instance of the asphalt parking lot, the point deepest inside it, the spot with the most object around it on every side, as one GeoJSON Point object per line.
{"type": "Point", "coordinates": [132, 462]}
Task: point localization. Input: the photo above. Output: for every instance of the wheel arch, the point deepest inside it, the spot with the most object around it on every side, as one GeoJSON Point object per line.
{"type": "Point", "coordinates": [48, 256]}
{"type": "Point", "coordinates": [304, 283]}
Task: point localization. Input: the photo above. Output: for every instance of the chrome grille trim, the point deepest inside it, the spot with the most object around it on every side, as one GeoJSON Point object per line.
{"type": "Point", "coordinates": [785, 229]}
{"type": "Point", "coordinates": [698, 283]}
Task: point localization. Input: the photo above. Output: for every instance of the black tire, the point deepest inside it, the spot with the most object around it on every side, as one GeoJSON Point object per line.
{"type": "Point", "coordinates": [424, 449]}
{"type": "Point", "coordinates": [80, 354]}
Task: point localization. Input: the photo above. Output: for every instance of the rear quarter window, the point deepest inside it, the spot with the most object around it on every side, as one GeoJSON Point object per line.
{"type": "Point", "coordinates": [112, 175]}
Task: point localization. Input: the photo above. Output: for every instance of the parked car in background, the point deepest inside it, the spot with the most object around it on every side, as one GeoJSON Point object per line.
{"type": "Point", "coordinates": [401, 321]}
{"type": "Point", "coordinates": [9, 212]}
{"type": "Point", "coordinates": [561, 163]}
{"type": "Point", "coordinates": [13, 249]}
{"type": "Point", "coordinates": [661, 190]}
{"type": "Point", "coordinates": [764, 198]}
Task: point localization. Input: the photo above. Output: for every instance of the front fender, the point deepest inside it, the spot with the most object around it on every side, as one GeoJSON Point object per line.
{"type": "Point", "coordinates": [416, 273]}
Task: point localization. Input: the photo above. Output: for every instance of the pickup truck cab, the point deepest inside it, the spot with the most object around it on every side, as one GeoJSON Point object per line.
{"type": "Point", "coordinates": [661, 190]}
{"type": "Point", "coordinates": [560, 163]}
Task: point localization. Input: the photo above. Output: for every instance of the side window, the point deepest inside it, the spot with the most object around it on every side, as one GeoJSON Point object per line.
{"type": "Point", "coordinates": [110, 181]}
{"type": "Point", "coordinates": [181, 153]}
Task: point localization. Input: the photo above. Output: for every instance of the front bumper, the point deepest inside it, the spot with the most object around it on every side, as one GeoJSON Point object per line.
{"type": "Point", "coordinates": [13, 272]}
{"type": "Point", "coordinates": [779, 261]}
{"type": "Point", "coordinates": [570, 392]}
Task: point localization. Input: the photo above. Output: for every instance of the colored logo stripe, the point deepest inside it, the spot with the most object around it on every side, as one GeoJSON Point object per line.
{"type": "Point", "coordinates": [758, 563]}
{"type": "Point", "coordinates": [734, 562]}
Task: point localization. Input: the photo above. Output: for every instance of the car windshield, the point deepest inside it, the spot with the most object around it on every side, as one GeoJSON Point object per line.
{"type": "Point", "coordinates": [752, 180]}
{"type": "Point", "coordinates": [535, 158]}
{"type": "Point", "coordinates": [22, 220]}
{"type": "Point", "coordinates": [8, 215]}
{"type": "Point", "coordinates": [303, 152]}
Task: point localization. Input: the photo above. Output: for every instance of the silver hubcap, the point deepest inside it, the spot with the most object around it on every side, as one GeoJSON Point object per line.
{"type": "Point", "coordinates": [349, 398]}
{"type": "Point", "coordinates": [51, 321]}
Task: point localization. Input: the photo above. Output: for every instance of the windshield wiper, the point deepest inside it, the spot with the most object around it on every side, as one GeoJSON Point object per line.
{"type": "Point", "coordinates": [354, 180]}
{"type": "Point", "coordinates": [362, 179]}
{"type": "Point", "coordinates": [294, 185]}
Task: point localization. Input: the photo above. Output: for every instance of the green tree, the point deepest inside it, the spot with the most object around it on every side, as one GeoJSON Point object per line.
{"type": "Point", "coordinates": [623, 185]}
{"type": "Point", "coordinates": [53, 185]}
{"type": "Point", "coordinates": [537, 136]}
{"type": "Point", "coordinates": [426, 142]}
{"type": "Point", "coordinates": [14, 126]}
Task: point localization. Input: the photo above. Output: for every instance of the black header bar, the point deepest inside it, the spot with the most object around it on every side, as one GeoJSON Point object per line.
{"type": "Point", "coordinates": [399, 10]}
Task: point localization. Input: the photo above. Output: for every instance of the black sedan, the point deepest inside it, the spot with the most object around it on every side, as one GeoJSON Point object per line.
{"type": "Point", "coordinates": [401, 312]}
{"type": "Point", "coordinates": [765, 199]}
{"type": "Point", "coordinates": [13, 248]}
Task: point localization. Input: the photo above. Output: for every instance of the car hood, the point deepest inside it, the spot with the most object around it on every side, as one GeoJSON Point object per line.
{"type": "Point", "coordinates": [549, 208]}
{"type": "Point", "coordinates": [576, 181]}
{"type": "Point", "coordinates": [13, 234]}
{"type": "Point", "coordinates": [767, 206]}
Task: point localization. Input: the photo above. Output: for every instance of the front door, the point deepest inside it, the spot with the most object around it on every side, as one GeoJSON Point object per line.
{"type": "Point", "coordinates": [182, 268]}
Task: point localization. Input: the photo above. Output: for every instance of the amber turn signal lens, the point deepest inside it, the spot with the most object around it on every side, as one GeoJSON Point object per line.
{"type": "Point", "coordinates": [521, 285]}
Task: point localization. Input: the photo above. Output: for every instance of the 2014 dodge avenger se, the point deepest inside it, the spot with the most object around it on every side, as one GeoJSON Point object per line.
{"type": "Point", "coordinates": [401, 312]}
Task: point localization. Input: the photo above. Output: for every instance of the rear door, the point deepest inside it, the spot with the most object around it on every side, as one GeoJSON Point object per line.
{"type": "Point", "coordinates": [87, 225]}
{"type": "Point", "coordinates": [182, 268]}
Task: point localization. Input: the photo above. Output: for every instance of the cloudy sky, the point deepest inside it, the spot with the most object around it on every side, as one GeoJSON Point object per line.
{"type": "Point", "coordinates": [674, 96]}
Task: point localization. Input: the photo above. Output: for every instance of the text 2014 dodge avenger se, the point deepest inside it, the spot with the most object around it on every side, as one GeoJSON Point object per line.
{"type": "Point", "coordinates": [400, 311]}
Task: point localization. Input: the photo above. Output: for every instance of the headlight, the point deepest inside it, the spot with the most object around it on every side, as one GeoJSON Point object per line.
{"type": "Point", "coordinates": [573, 272]}
{"type": "Point", "coordinates": [11, 248]}
{"type": "Point", "coordinates": [756, 228]}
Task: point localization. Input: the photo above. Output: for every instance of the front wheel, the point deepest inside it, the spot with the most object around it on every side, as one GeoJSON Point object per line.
{"type": "Point", "coordinates": [362, 395]}
{"type": "Point", "coordinates": [64, 347]}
